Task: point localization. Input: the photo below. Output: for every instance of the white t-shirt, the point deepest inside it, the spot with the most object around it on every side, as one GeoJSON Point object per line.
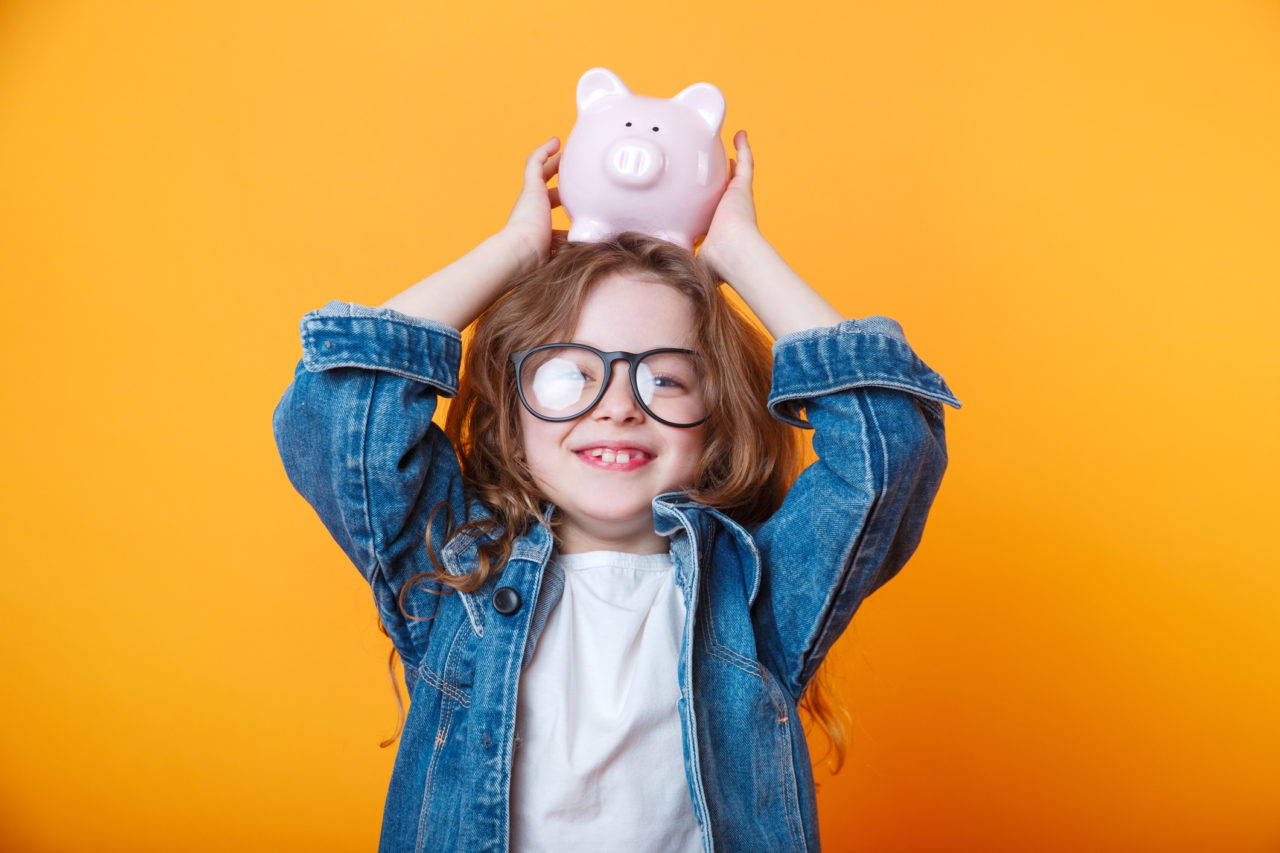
{"type": "Point", "coordinates": [599, 764]}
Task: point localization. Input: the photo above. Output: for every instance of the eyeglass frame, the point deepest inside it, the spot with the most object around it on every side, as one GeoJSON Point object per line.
{"type": "Point", "coordinates": [632, 359]}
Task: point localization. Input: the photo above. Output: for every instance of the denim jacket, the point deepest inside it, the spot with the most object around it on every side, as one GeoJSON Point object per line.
{"type": "Point", "coordinates": [763, 605]}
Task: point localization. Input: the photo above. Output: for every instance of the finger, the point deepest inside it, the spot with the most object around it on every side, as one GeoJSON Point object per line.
{"type": "Point", "coordinates": [539, 157]}
{"type": "Point", "coordinates": [746, 164]}
{"type": "Point", "coordinates": [553, 196]}
{"type": "Point", "coordinates": [546, 149]}
{"type": "Point", "coordinates": [551, 166]}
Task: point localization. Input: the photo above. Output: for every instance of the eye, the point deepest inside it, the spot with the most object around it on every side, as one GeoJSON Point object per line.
{"type": "Point", "coordinates": [628, 124]}
{"type": "Point", "coordinates": [655, 128]}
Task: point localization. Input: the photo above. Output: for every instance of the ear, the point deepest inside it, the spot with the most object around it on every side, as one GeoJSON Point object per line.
{"type": "Point", "coordinates": [707, 101]}
{"type": "Point", "coordinates": [598, 85]}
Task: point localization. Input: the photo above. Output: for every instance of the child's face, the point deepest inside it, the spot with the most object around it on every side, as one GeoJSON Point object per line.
{"type": "Point", "coordinates": [606, 505]}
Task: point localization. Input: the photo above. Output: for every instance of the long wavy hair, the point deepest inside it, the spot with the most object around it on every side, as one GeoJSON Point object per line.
{"type": "Point", "coordinates": [749, 459]}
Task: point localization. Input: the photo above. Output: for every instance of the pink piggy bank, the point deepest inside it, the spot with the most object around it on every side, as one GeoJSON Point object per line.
{"type": "Point", "coordinates": [634, 163]}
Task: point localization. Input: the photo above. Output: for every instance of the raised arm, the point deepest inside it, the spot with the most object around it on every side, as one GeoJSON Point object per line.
{"type": "Point", "coordinates": [355, 427]}
{"type": "Point", "coordinates": [458, 293]}
{"type": "Point", "coordinates": [855, 515]}
{"type": "Point", "coordinates": [735, 250]}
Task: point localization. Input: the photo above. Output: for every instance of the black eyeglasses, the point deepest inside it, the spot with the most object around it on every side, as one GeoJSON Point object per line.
{"type": "Point", "coordinates": [560, 382]}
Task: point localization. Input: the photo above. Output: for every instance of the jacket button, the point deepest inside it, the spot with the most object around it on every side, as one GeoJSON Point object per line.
{"type": "Point", "coordinates": [506, 600]}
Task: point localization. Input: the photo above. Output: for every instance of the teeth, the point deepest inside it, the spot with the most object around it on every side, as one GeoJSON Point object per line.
{"type": "Point", "coordinates": [620, 457]}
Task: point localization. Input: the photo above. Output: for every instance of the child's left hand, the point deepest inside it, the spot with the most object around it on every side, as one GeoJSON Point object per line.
{"type": "Point", "coordinates": [738, 253]}
{"type": "Point", "coordinates": [530, 221]}
{"type": "Point", "coordinates": [733, 227]}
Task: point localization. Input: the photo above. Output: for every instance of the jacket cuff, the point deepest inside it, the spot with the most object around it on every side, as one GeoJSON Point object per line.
{"type": "Point", "coordinates": [871, 352]}
{"type": "Point", "coordinates": [347, 335]}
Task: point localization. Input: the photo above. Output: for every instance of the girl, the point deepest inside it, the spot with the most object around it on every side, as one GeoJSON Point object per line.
{"type": "Point", "coordinates": [607, 592]}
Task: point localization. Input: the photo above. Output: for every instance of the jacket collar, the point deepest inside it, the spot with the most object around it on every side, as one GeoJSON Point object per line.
{"type": "Point", "coordinates": [674, 511]}
{"type": "Point", "coordinates": [461, 552]}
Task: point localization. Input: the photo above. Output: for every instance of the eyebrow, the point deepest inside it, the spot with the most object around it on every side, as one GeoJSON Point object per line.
{"type": "Point", "coordinates": [608, 349]}
{"type": "Point", "coordinates": [688, 344]}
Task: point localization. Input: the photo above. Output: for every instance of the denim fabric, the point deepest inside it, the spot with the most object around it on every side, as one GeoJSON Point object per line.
{"type": "Point", "coordinates": [764, 605]}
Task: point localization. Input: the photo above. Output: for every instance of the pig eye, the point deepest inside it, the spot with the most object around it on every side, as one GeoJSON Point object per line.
{"type": "Point", "coordinates": [628, 124]}
{"type": "Point", "coordinates": [655, 128]}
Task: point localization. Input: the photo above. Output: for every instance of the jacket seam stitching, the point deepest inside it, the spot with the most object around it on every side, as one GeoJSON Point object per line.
{"type": "Point", "coordinates": [377, 564]}
{"type": "Point", "coordinates": [730, 656]}
{"type": "Point", "coordinates": [790, 794]}
{"type": "Point", "coordinates": [442, 736]}
{"type": "Point", "coordinates": [444, 387]}
{"type": "Point", "coordinates": [787, 769]}
{"type": "Point", "coordinates": [821, 625]}
{"type": "Point", "coordinates": [727, 658]}
{"type": "Point", "coordinates": [450, 668]}
{"type": "Point", "coordinates": [864, 382]}
{"type": "Point", "coordinates": [437, 328]}
{"type": "Point", "coordinates": [689, 733]}
{"type": "Point", "coordinates": [441, 684]}
{"type": "Point", "coordinates": [317, 362]}
{"type": "Point", "coordinates": [450, 556]}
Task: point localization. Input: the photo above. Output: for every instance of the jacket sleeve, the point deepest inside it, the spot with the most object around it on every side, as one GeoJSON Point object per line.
{"type": "Point", "coordinates": [355, 434]}
{"type": "Point", "coordinates": [854, 516]}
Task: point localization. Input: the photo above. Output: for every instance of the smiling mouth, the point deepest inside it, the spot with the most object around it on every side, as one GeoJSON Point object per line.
{"type": "Point", "coordinates": [618, 460]}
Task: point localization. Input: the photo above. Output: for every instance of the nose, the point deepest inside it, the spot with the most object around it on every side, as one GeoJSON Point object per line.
{"type": "Point", "coordinates": [618, 403]}
{"type": "Point", "coordinates": [635, 163]}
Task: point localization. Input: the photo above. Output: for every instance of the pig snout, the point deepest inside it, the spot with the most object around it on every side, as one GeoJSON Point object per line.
{"type": "Point", "coordinates": [635, 162]}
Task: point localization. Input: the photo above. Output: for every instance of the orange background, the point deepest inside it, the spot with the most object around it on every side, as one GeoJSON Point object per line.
{"type": "Point", "coordinates": [1072, 207]}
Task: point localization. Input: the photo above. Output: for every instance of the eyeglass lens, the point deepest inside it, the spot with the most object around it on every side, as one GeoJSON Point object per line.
{"type": "Point", "coordinates": [564, 382]}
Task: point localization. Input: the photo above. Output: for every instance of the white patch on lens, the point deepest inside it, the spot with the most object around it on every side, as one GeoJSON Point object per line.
{"type": "Point", "coordinates": [644, 381]}
{"type": "Point", "coordinates": [557, 385]}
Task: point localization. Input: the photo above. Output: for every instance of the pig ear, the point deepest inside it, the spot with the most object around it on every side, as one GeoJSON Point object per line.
{"type": "Point", "coordinates": [707, 101]}
{"type": "Point", "coordinates": [599, 85]}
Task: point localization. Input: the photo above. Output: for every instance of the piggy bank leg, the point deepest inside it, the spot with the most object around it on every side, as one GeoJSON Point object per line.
{"type": "Point", "coordinates": [586, 230]}
{"type": "Point", "coordinates": [680, 238]}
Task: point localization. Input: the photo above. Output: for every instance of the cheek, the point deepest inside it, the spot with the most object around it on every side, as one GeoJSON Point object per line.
{"type": "Point", "coordinates": [527, 441]}
{"type": "Point", "coordinates": [538, 442]}
{"type": "Point", "coordinates": [689, 447]}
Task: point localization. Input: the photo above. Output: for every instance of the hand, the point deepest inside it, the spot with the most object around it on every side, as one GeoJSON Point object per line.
{"type": "Point", "coordinates": [733, 227]}
{"type": "Point", "coordinates": [738, 253]}
{"type": "Point", "coordinates": [456, 294]}
{"type": "Point", "coordinates": [530, 221]}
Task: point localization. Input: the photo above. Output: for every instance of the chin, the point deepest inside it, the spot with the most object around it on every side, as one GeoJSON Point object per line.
{"type": "Point", "coordinates": [620, 531]}
{"type": "Point", "coordinates": [621, 524]}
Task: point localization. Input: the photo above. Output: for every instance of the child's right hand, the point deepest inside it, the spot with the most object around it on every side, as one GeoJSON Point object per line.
{"type": "Point", "coordinates": [456, 294]}
{"type": "Point", "coordinates": [529, 225]}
